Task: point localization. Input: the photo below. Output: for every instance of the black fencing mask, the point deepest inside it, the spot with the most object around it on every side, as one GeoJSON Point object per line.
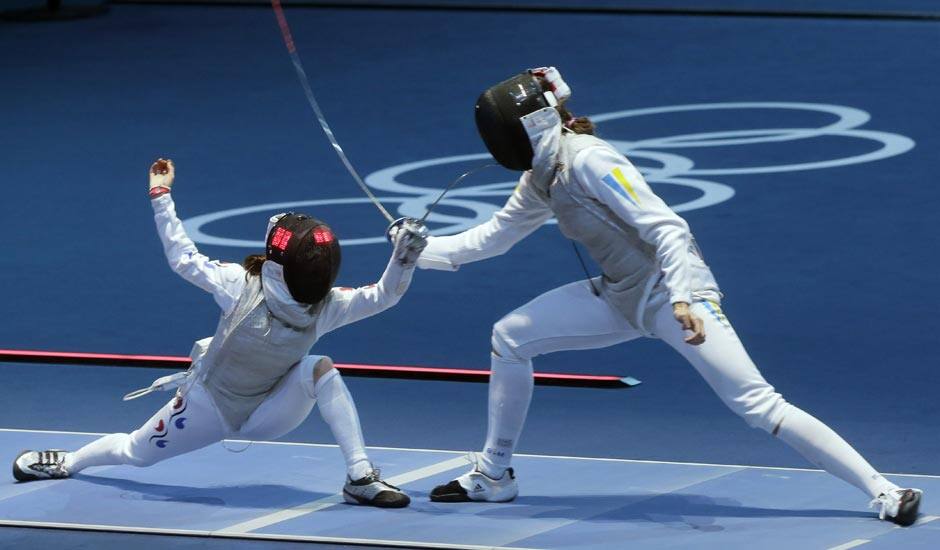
{"type": "Point", "coordinates": [497, 114]}
{"type": "Point", "coordinates": [309, 253]}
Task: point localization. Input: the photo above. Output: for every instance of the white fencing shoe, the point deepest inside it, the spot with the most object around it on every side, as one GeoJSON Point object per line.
{"type": "Point", "coordinates": [372, 491]}
{"type": "Point", "coordinates": [33, 465]}
{"type": "Point", "coordinates": [899, 505]}
{"type": "Point", "coordinates": [475, 486]}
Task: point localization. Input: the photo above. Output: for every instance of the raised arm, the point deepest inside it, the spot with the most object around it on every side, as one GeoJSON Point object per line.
{"type": "Point", "coordinates": [524, 212]}
{"type": "Point", "coordinates": [223, 280]}
{"type": "Point", "coordinates": [347, 305]}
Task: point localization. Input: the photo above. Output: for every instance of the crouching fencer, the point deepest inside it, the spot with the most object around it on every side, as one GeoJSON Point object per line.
{"type": "Point", "coordinates": [654, 284]}
{"type": "Point", "coordinates": [254, 380]}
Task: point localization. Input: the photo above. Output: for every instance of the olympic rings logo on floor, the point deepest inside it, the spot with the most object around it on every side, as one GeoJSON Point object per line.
{"type": "Point", "coordinates": [652, 156]}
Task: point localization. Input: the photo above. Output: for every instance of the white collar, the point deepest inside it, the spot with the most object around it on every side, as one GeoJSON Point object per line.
{"type": "Point", "coordinates": [278, 299]}
{"type": "Point", "coordinates": [544, 130]}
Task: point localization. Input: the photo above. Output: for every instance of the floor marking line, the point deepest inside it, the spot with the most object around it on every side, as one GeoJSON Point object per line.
{"type": "Point", "coordinates": [248, 536]}
{"type": "Point", "coordinates": [850, 544]}
{"type": "Point", "coordinates": [464, 452]}
{"type": "Point", "coordinates": [858, 542]}
{"type": "Point", "coordinates": [63, 432]}
{"type": "Point", "coordinates": [657, 494]}
{"type": "Point", "coordinates": [332, 500]}
{"type": "Point", "coordinates": [925, 519]}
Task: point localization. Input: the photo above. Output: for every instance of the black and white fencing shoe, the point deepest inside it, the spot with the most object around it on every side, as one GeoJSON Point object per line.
{"type": "Point", "coordinates": [899, 505]}
{"type": "Point", "coordinates": [372, 491]}
{"type": "Point", "coordinates": [475, 486]}
{"type": "Point", "coordinates": [33, 465]}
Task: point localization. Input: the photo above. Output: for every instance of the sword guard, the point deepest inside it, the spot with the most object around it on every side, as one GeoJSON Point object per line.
{"type": "Point", "coordinates": [414, 225]}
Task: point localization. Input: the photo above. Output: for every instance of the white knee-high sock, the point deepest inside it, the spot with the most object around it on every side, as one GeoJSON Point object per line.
{"type": "Point", "coordinates": [827, 450]}
{"type": "Point", "coordinates": [108, 450]}
{"type": "Point", "coordinates": [339, 412]}
{"type": "Point", "coordinates": [510, 394]}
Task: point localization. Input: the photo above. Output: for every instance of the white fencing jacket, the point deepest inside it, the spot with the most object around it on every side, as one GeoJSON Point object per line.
{"type": "Point", "coordinates": [645, 250]}
{"type": "Point", "coordinates": [263, 331]}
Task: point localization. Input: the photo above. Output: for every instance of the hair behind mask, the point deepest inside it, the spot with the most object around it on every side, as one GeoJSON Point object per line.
{"type": "Point", "coordinates": [252, 264]}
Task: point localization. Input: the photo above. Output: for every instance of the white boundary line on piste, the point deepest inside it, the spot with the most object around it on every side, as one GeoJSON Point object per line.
{"type": "Point", "coordinates": [859, 542]}
{"type": "Point", "coordinates": [249, 536]}
{"type": "Point", "coordinates": [557, 457]}
{"type": "Point", "coordinates": [245, 530]}
{"type": "Point", "coordinates": [316, 505]}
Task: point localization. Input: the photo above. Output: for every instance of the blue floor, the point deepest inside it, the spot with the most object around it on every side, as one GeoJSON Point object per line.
{"type": "Point", "coordinates": [819, 221]}
{"type": "Point", "coordinates": [289, 491]}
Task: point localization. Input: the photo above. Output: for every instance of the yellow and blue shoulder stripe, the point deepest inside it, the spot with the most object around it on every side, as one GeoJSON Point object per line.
{"type": "Point", "coordinates": [621, 185]}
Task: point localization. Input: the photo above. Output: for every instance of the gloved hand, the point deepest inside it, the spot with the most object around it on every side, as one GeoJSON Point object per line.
{"type": "Point", "coordinates": [162, 173]}
{"type": "Point", "coordinates": [553, 77]}
{"type": "Point", "coordinates": [410, 237]}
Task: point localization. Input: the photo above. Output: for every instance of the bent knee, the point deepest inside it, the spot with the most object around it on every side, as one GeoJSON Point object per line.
{"type": "Point", "coordinates": [504, 345]}
{"type": "Point", "coordinates": [323, 366]}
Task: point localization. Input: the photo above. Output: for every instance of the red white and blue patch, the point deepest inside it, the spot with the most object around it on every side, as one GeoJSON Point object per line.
{"type": "Point", "coordinates": [162, 429]}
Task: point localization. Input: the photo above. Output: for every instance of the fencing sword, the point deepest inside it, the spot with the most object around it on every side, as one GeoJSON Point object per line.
{"type": "Point", "coordinates": [321, 118]}
{"type": "Point", "coordinates": [416, 224]}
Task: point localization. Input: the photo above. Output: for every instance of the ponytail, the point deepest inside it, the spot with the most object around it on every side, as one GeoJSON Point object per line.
{"type": "Point", "coordinates": [578, 125]}
{"type": "Point", "coordinates": [252, 265]}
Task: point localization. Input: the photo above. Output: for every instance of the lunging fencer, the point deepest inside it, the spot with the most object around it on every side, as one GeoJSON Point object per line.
{"type": "Point", "coordinates": [654, 284]}
{"type": "Point", "coordinates": [253, 379]}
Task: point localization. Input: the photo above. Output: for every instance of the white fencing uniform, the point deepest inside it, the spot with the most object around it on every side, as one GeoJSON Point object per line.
{"type": "Point", "coordinates": [650, 261]}
{"type": "Point", "coordinates": [254, 380]}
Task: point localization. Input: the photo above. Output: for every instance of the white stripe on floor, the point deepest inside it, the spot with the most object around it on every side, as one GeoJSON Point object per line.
{"type": "Point", "coordinates": [858, 542]}
{"type": "Point", "coordinates": [320, 504]}
{"type": "Point", "coordinates": [850, 544]}
{"type": "Point", "coordinates": [249, 536]}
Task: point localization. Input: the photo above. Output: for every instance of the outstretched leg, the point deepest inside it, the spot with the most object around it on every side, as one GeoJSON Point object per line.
{"type": "Point", "coordinates": [726, 366]}
{"type": "Point", "coordinates": [566, 318]}
{"type": "Point", "coordinates": [184, 424]}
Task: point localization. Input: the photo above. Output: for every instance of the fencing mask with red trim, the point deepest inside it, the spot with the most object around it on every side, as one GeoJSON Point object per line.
{"type": "Point", "coordinates": [308, 251]}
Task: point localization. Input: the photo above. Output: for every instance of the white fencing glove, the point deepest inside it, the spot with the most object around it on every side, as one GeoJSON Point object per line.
{"type": "Point", "coordinates": [162, 173]}
{"type": "Point", "coordinates": [553, 77]}
{"type": "Point", "coordinates": [410, 237]}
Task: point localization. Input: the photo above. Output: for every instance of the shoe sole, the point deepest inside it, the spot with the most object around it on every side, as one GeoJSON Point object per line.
{"type": "Point", "coordinates": [462, 497]}
{"type": "Point", "coordinates": [451, 497]}
{"type": "Point", "coordinates": [353, 499]}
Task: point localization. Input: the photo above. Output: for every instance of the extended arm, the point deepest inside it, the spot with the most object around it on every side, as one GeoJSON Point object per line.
{"type": "Point", "coordinates": [347, 305]}
{"type": "Point", "coordinates": [224, 280]}
{"type": "Point", "coordinates": [524, 212]}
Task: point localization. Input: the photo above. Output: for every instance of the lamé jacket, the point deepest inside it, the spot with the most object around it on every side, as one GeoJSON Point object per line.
{"type": "Point", "coordinates": [263, 331]}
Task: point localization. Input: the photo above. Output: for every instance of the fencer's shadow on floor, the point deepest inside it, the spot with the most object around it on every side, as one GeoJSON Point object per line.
{"type": "Point", "coordinates": [673, 509]}
{"type": "Point", "coordinates": [235, 496]}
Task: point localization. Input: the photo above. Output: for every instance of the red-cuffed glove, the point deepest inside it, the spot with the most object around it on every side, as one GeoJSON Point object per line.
{"type": "Point", "coordinates": [162, 173]}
